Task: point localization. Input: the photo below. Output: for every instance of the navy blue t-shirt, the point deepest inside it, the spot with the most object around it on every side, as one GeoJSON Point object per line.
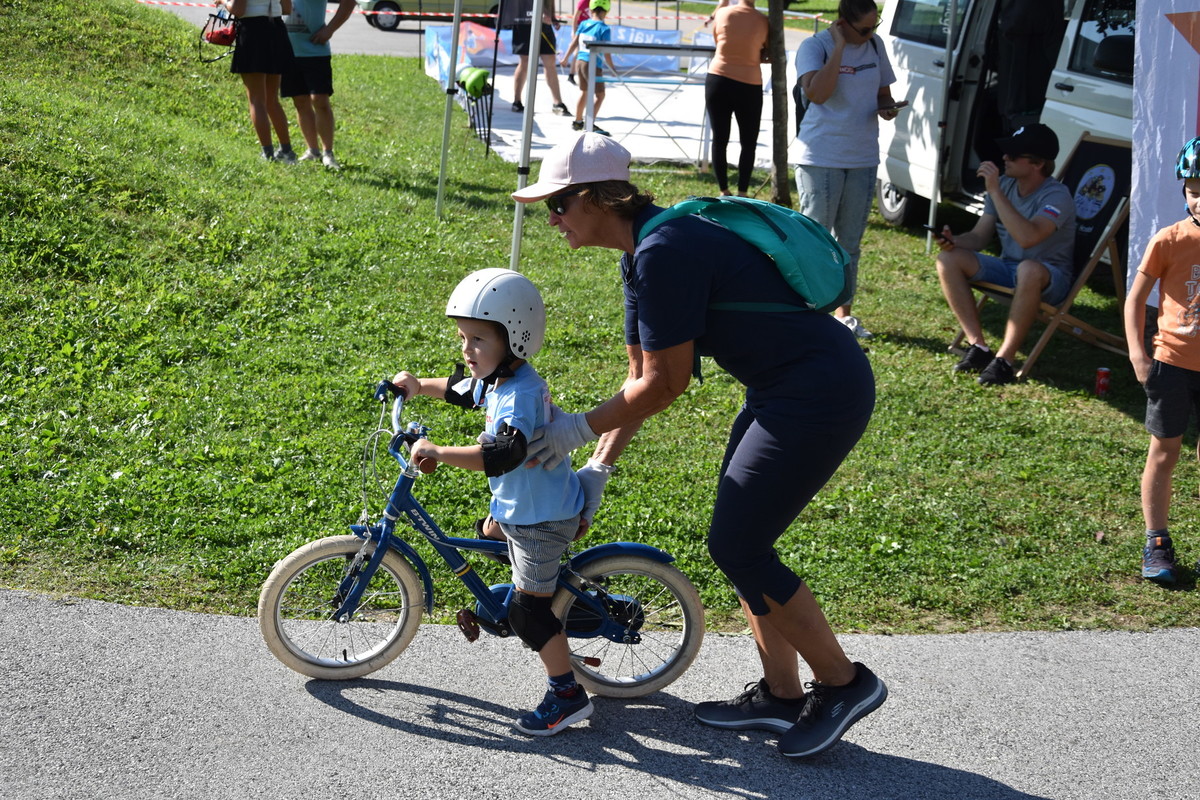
{"type": "Point", "coordinates": [684, 265]}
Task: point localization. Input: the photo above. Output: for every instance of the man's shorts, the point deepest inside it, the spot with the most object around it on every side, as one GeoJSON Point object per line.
{"type": "Point", "coordinates": [1003, 272]}
{"type": "Point", "coordinates": [520, 40]}
{"type": "Point", "coordinates": [536, 552]}
{"type": "Point", "coordinates": [309, 75]}
{"type": "Point", "coordinates": [1172, 396]}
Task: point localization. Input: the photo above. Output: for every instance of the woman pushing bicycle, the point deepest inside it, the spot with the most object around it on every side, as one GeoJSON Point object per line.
{"type": "Point", "coordinates": [501, 324]}
{"type": "Point", "coordinates": [809, 397]}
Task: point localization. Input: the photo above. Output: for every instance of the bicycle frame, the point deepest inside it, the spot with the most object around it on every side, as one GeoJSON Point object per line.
{"type": "Point", "coordinates": [493, 610]}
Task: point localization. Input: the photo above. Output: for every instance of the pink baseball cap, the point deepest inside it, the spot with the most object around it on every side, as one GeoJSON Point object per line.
{"type": "Point", "coordinates": [589, 159]}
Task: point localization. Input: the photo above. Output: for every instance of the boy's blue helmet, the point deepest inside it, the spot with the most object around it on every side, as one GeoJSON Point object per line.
{"type": "Point", "coordinates": [1188, 163]}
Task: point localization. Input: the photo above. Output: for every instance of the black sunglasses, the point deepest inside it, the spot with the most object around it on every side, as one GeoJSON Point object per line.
{"type": "Point", "coordinates": [867, 31]}
{"type": "Point", "coordinates": [558, 203]}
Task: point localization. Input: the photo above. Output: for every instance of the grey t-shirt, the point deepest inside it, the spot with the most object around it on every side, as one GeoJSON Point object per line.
{"type": "Point", "coordinates": [843, 132]}
{"type": "Point", "coordinates": [1051, 200]}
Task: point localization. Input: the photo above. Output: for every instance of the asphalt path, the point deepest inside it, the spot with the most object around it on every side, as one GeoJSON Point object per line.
{"type": "Point", "coordinates": [109, 701]}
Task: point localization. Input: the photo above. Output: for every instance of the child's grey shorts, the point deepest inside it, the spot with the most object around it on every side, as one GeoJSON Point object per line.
{"type": "Point", "coordinates": [536, 552]}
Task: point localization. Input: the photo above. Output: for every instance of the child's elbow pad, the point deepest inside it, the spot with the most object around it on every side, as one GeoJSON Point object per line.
{"type": "Point", "coordinates": [504, 453]}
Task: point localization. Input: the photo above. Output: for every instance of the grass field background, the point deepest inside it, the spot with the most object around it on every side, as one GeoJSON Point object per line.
{"type": "Point", "coordinates": [191, 336]}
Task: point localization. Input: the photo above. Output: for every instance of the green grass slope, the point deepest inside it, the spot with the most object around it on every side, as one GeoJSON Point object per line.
{"type": "Point", "coordinates": [191, 336]}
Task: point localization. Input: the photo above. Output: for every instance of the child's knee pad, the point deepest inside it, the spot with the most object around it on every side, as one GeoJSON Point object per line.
{"type": "Point", "coordinates": [532, 620]}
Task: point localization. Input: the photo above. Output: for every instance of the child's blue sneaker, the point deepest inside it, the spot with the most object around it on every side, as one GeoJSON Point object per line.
{"type": "Point", "coordinates": [1158, 560]}
{"type": "Point", "coordinates": [556, 713]}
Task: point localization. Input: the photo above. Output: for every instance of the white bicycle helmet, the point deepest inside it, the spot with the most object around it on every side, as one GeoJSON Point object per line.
{"type": "Point", "coordinates": [502, 295]}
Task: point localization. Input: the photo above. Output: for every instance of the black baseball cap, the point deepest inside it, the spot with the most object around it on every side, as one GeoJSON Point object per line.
{"type": "Point", "coordinates": [1031, 140]}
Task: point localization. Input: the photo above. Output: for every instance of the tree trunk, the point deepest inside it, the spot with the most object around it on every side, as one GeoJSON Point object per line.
{"type": "Point", "coordinates": [781, 177]}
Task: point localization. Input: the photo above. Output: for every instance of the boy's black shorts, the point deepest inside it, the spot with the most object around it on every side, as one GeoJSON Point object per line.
{"type": "Point", "coordinates": [1172, 396]}
{"type": "Point", "coordinates": [308, 75]}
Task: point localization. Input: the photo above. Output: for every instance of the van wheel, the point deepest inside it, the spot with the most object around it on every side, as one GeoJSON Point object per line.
{"type": "Point", "coordinates": [387, 22]}
{"type": "Point", "coordinates": [898, 207]}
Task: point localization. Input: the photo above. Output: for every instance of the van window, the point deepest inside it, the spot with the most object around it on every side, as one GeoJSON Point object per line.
{"type": "Point", "coordinates": [1101, 20]}
{"type": "Point", "coordinates": [926, 21]}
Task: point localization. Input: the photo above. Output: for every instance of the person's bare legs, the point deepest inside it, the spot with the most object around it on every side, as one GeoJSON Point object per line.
{"type": "Point", "coordinates": [306, 117]}
{"type": "Point", "coordinates": [550, 65]}
{"type": "Point", "coordinates": [798, 628]}
{"type": "Point", "coordinates": [275, 112]}
{"type": "Point", "coordinates": [955, 269]}
{"type": "Point", "coordinates": [256, 93]}
{"type": "Point", "coordinates": [1032, 280]}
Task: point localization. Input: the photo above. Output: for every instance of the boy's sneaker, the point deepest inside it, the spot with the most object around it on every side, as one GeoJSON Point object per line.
{"type": "Point", "coordinates": [829, 711]}
{"type": "Point", "coordinates": [561, 110]}
{"type": "Point", "coordinates": [997, 373]}
{"type": "Point", "coordinates": [577, 125]}
{"type": "Point", "coordinates": [285, 156]}
{"type": "Point", "coordinates": [518, 106]}
{"type": "Point", "coordinates": [856, 327]}
{"type": "Point", "coordinates": [1158, 560]}
{"type": "Point", "coordinates": [330, 162]}
{"type": "Point", "coordinates": [755, 709]}
{"type": "Point", "coordinates": [556, 713]}
{"type": "Point", "coordinates": [975, 359]}
{"type": "Point", "coordinates": [597, 129]}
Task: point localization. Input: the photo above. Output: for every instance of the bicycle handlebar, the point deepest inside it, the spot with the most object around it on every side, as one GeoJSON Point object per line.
{"type": "Point", "coordinates": [382, 391]}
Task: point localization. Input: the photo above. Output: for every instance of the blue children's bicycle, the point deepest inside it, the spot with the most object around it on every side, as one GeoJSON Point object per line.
{"type": "Point", "coordinates": [344, 606]}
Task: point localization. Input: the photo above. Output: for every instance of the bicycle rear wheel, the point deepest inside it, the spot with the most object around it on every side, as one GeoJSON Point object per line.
{"type": "Point", "coordinates": [297, 605]}
{"type": "Point", "coordinates": [638, 630]}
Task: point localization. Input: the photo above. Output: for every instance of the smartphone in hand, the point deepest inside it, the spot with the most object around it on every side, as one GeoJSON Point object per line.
{"type": "Point", "coordinates": [893, 106]}
{"type": "Point", "coordinates": [937, 233]}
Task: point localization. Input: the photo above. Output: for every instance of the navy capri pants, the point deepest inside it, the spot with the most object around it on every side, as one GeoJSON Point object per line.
{"type": "Point", "coordinates": [774, 465]}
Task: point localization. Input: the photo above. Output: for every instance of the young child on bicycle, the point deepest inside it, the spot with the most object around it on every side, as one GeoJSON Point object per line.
{"type": "Point", "coordinates": [501, 324]}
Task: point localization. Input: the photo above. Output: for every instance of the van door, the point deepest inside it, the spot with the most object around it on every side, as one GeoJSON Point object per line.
{"type": "Point", "coordinates": [915, 33]}
{"type": "Point", "coordinates": [1091, 88]}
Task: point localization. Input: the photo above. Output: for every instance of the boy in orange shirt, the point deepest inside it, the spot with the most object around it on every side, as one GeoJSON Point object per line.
{"type": "Point", "coordinates": [1172, 377]}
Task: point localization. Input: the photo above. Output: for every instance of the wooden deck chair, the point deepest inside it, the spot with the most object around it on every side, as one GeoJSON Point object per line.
{"type": "Point", "coordinates": [1092, 161]}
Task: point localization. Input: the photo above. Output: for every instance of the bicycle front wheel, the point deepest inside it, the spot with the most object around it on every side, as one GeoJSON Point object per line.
{"type": "Point", "coordinates": [638, 629]}
{"type": "Point", "coordinates": [297, 606]}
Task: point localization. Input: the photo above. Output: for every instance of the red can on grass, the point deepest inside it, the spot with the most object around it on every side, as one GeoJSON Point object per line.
{"type": "Point", "coordinates": [1103, 376]}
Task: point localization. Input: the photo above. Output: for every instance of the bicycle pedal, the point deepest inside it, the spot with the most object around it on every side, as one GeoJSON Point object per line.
{"type": "Point", "coordinates": [467, 624]}
{"type": "Point", "coordinates": [591, 661]}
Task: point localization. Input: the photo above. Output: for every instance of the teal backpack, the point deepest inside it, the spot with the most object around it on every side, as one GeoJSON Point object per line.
{"type": "Point", "coordinates": [807, 256]}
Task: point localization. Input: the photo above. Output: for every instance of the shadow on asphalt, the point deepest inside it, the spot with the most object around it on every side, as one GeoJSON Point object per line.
{"type": "Point", "coordinates": [656, 735]}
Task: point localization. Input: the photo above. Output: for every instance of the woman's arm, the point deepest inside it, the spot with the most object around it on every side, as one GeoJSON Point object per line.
{"type": "Point", "coordinates": [656, 378]}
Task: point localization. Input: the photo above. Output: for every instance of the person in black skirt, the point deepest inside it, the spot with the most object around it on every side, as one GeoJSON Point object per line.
{"type": "Point", "coordinates": [262, 53]}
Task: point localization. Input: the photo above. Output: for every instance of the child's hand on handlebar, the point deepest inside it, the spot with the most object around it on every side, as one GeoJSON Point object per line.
{"type": "Point", "coordinates": [424, 454]}
{"type": "Point", "coordinates": [408, 383]}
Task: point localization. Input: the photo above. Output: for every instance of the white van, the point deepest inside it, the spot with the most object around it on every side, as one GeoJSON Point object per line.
{"type": "Point", "coordinates": [1084, 85]}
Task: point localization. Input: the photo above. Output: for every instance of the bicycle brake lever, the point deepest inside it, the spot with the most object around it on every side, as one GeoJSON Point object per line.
{"type": "Point", "coordinates": [386, 388]}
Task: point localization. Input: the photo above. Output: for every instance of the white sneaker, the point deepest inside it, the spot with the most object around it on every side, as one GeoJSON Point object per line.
{"type": "Point", "coordinates": [856, 327]}
{"type": "Point", "coordinates": [329, 161]}
{"type": "Point", "coordinates": [285, 156]}
{"type": "Point", "coordinates": [310, 155]}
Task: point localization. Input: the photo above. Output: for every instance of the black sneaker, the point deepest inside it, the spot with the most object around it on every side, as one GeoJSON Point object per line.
{"type": "Point", "coordinates": [829, 711]}
{"type": "Point", "coordinates": [975, 359]}
{"type": "Point", "coordinates": [1158, 560]}
{"type": "Point", "coordinates": [577, 125]}
{"type": "Point", "coordinates": [997, 373]}
{"type": "Point", "coordinates": [754, 709]}
{"type": "Point", "coordinates": [518, 106]}
{"type": "Point", "coordinates": [561, 110]}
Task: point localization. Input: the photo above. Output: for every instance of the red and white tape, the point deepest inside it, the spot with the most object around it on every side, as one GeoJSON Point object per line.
{"type": "Point", "coordinates": [402, 13]}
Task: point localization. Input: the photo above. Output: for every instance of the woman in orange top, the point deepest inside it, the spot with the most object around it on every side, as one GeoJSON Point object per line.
{"type": "Point", "coordinates": [733, 88]}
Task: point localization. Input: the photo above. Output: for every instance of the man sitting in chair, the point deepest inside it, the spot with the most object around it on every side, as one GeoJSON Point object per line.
{"type": "Point", "coordinates": [1034, 216]}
